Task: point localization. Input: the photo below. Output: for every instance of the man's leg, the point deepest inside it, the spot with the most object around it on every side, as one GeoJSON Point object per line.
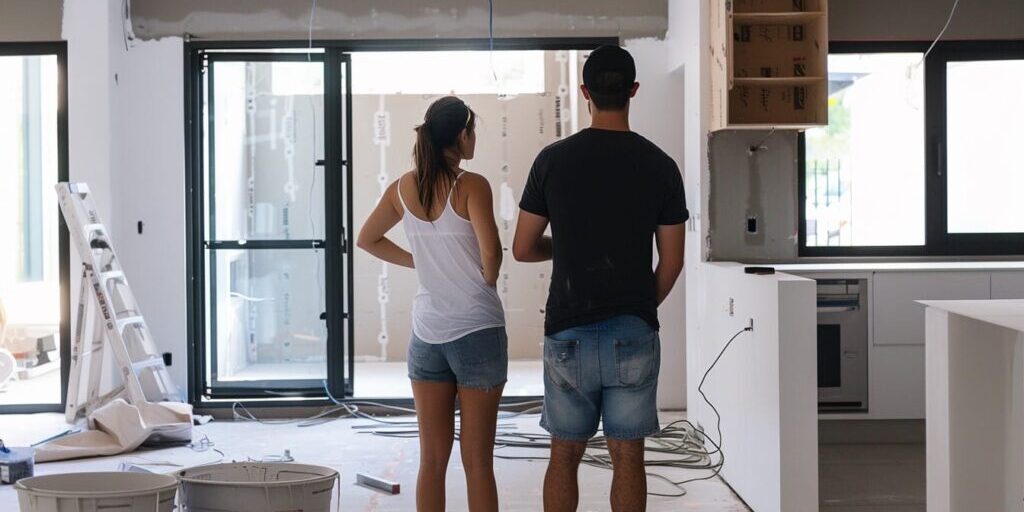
{"type": "Point", "coordinates": [572, 411]}
{"type": "Point", "coordinates": [629, 483]}
{"type": "Point", "coordinates": [561, 493]}
{"type": "Point", "coordinates": [632, 353]}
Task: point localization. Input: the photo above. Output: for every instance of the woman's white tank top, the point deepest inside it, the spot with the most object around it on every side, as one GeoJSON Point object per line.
{"type": "Point", "coordinates": [453, 299]}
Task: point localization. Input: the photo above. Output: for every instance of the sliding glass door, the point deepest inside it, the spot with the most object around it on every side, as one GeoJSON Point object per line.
{"type": "Point", "coordinates": [269, 164]}
{"type": "Point", "coordinates": [33, 251]}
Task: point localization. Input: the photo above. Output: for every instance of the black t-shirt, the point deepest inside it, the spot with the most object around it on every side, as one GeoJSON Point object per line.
{"type": "Point", "coordinates": [605, 193]}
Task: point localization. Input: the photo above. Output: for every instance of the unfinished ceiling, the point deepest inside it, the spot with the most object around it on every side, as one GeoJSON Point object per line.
{"type": "Point", "coordinates": [30, 20]}
{"type": "Point", "coordinates": [380, 19]}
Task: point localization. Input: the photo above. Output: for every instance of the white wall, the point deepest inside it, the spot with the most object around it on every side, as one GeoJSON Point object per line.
{"type": "Point", "coordinates": [656, 113]}
{"type": "Point", "coordinates": [149, 186]}
{"type": "Point", "coordinates": [88, 29]}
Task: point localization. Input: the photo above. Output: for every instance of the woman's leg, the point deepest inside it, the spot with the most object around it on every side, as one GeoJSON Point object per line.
{"type": "Point", "coordinates": [476, 442]}
{"type": "Point", "coordinates": [435, 412]}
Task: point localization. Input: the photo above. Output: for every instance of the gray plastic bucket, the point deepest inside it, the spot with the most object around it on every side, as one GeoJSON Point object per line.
{"type": "Point", "coordinates": [257, 487]}
{"type": "Point", "coordinates": [109, 492]}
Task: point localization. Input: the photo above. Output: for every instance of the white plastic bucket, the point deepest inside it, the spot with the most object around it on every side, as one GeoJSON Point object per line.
{"type": "Point", "coordinates": [257, 487]}
{"type": "Point", "coordinates": [109, 492]}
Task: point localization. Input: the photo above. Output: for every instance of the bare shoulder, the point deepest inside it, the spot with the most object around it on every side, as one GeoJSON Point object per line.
{"type": "Point", "coordinates": [475, 182]}
{"type": "Point", "coordinates": [394, 190]}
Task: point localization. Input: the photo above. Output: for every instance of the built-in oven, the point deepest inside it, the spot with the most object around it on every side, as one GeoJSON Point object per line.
{"type": "Point", "coordinates": [842, 345]}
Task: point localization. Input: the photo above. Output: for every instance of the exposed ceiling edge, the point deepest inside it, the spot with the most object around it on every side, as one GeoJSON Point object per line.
{"type": "Point", "coordinates": [30, 20]}
{"type": "Point", "coordinates": [393, 19]}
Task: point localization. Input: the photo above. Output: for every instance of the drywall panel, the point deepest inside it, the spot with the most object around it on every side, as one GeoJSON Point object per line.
{"type": "Point", "coordinates": [921, 20]}
{"type": "Point", "coordinates": [30, 20]}
{"type": "Point", "coordinates": [753, 187]}
{"type": "Point", "coordinates": [256, 20]}
{"type": "Point", "coordinates": [511, 130]}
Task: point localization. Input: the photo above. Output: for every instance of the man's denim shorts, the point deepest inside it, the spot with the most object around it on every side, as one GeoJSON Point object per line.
{"type": "Point", "coordinates": [477, 360]}
{"type": "Point", "coordinates": [609, 368]}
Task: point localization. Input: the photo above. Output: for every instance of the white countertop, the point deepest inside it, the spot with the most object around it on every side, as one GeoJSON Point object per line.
{"type": "Point", "coordinates": [1004, 313]}
{"type": "Point", "coordinates": [897, 266]}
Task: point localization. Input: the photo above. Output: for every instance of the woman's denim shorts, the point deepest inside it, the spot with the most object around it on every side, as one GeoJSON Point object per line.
{"type": "Point", "coordinates": [477, 360]}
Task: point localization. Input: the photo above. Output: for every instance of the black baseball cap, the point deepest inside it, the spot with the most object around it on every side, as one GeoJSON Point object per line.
{"type": "Point", "coordinates": [609, 59]}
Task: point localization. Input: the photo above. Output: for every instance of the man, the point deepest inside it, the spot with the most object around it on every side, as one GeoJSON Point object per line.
{"type": "Point", "coordinates": [606, 192]}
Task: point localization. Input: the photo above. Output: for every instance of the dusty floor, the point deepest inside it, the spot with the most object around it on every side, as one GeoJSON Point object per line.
{"type": "Point", "coordinates": [340, 446]}
{"type": "Point", "coordinates": [862, 477]}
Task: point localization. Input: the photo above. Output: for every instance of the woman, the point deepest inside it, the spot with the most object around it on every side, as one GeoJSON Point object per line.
{"type": "Point", "coordinates": [459, 346]}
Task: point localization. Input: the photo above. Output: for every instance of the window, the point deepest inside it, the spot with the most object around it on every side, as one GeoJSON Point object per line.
{"type": "Point", "coordinates": [33, 256]}
{"type": "Point", "coordinates": [985, 128]}
{"type": "Point", "coordinates": [918, 158]}
{"type": "Point", "coordinates": [870, 154]}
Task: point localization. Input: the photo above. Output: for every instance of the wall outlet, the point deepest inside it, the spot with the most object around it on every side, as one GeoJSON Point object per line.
{"type": "Point", "coordinates": [750, 325]}
{"type": "Point", "coordinates": [732, 307]}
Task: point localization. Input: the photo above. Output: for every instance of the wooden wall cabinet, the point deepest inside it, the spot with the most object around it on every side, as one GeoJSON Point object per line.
{"type": "Point", "coordinates": [769, 64]}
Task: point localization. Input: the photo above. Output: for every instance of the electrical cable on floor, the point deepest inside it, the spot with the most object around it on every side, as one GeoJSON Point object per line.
{"type": "Point", "coordinates": [678, 445]}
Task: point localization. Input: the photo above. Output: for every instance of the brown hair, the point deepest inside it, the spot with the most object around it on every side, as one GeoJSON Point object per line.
{"type": "Point", "coordinates": [442, 124]}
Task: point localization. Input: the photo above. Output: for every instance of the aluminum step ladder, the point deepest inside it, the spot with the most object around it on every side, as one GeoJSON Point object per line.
{"type": "Point", "coordinates": [111, 319]}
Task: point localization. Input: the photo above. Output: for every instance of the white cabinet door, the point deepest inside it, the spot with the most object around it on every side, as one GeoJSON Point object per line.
{"type": "Point", "coordinates": [897, 388]}
{"type": "Point", "coordinates": [1008, 285]}
{"type": "Point", "coordinates": [899, 320]}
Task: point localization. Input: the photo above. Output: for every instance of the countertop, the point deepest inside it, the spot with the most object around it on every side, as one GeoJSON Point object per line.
{"type": "Point", "coordinates": [1004, 313]}
{"type": "Point", "coordinates": [897, 266]}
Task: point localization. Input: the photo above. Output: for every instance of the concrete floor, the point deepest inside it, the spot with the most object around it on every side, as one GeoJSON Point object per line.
{"type": "Point", "coordinates": [872, 477]}
{"type": "Point", "coordinates": [340, 446]}
{"type": "Point", "coordinates": [856, 475]}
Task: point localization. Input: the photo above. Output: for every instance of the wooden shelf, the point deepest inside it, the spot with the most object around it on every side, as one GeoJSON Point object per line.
{"type": "Point", "coordinates": [769, 63]}
{"type": "Point", "coordinates": [776, 18]}
{"type": "Point", "coordinates": [779, 81]}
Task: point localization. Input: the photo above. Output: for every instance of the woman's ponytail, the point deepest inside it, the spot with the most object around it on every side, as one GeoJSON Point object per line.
{"type": "Point", "coordinates": [444, 121]}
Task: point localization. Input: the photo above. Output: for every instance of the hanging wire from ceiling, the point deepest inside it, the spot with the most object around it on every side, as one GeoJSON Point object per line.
{"type": "Point", "coordinates": [312, 182]}
{"type": "Point", "coordinates": [490, 36]}
{"type": "Point", "coordinates": [312, 14]}
{"type": "Point", "coordinates": [952, 12]}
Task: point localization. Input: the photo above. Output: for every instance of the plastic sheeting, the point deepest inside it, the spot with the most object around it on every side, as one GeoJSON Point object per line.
{"type": "Point", "coordinates": [120, 427]}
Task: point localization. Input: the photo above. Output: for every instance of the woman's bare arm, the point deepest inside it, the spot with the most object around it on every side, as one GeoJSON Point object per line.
{"type": "Point", "coordinates": [372, 237]}
{"type": "Point", "coordinates": [481, 215]}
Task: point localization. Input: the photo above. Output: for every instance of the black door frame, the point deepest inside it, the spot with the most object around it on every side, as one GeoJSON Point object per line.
{"type": "Point", "coordinates": [338, 156]}
{"type": "Point", "coordinates": [60, 49]}
{"type": "Point", "coordinates": [211, 243]}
